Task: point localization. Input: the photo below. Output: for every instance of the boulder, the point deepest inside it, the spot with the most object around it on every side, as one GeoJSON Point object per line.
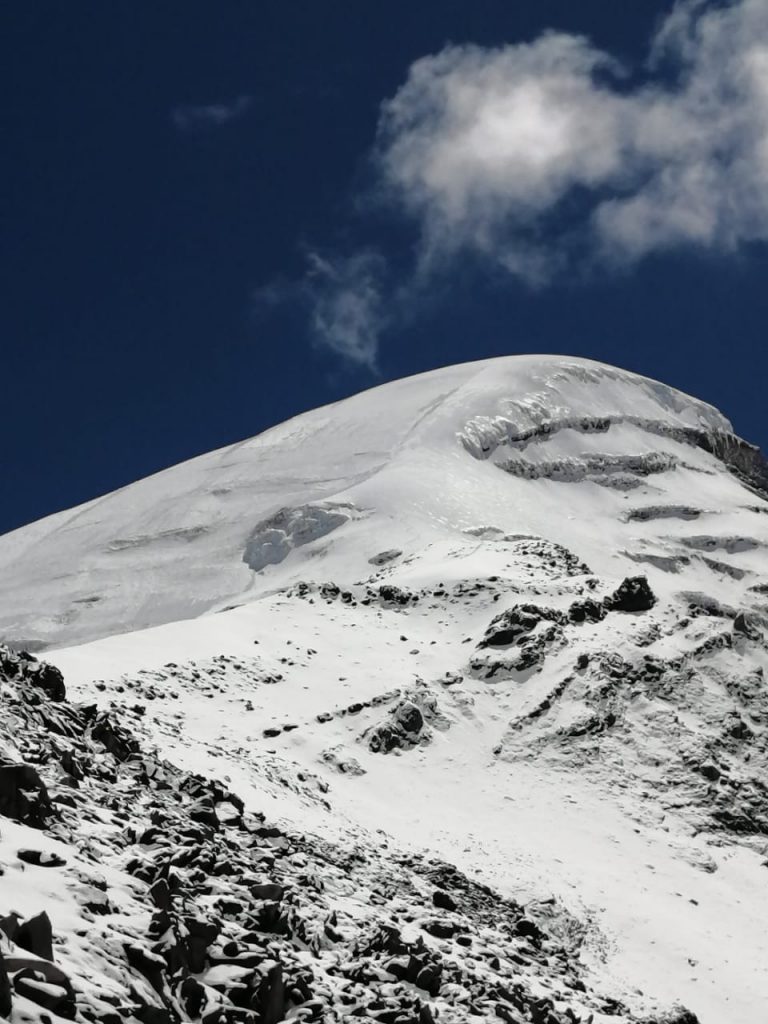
{"type": "Point", "coordinates": [443, 900]}
{"type": "Point", "coordinates": [36, 936]}
{"type": "Point", "coordinates": [269, 999]}
{"type": "Point", "coordinates": [632, 595]}
{"type": "Point", "coordinates": [679, 1015]}
{"type": "Point", "coordinates": [193, 997]}
{"type": "Point", "coordinates": [745, 624]}
{"type": "Point", "coordinates": [391, 594]}
{"type": "Point", "coordinates": [48, 678]}
{"type": "Point", "coordinates": [151, 965]}
{"type": "Point", "coordinates": [9, 925]}
{"type": "Point", "coordinates": [6, 993]}
{"type": "Point", "coordinates": [160, 894]}
{"type": "Point", "coordinates": [429, 978]}
{"type": "Point", "coordinates": [267, 891]}
{"type": "Point", "coordinates": [23, 795]}
{"type": "Point", "coordinates": [587, 610]}
{"type": "Point", "coordinates": [200, 935]}
{"type": "Point", "coordinates": [50, 990]}
{"type": "Point", "coordinates": [510, 626]}
{"type": "Point", "coordinates": [409, 717]}
{"type": "Point", "coordinates": [117, 740]}
{"type": "Point", "coordinates": [40, 858]}
{"type": "Point", "coordinates": [441, 929]}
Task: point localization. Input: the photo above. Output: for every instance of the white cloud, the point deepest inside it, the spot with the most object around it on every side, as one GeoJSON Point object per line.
{"type": "Point", "coordinates": [209, 115]}
{"type": "Point", "coordinates": [529, 153]}
{"type": "Point", "coordinates": [346, 310]}
{"type": "Point", "coordinates": [551, 158]}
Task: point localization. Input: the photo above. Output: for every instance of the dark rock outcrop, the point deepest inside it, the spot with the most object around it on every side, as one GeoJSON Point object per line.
{"type": "Point", "coordinates": [632, 595]}
{"type": "Point", "coordinates": [512, 625]}
{"type": "Point", "coordinates": [36, 936]}
{"type": "Point", "coordinates": [24, 796]}
{"type": "Point", "coordinates": [6, 996]}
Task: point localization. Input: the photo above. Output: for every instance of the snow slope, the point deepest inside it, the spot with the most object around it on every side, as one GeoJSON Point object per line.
{"type": "Point", "coordinates": [396, 615]}
{"type": "Point", "coordinates": [415, 459]}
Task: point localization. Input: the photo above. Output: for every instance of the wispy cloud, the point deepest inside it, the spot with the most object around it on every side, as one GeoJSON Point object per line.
{"type": "Point", "coordinates": [209, 115]}
{"type": "Point", "coordinates": [342, 298]}
{"type": "Point", "coordinates": [531, 153]}
{"type": "Point", "coordinates": [345, 295]}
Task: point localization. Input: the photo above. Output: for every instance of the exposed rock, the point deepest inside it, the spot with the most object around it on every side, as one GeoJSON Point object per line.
{"type": "Point", "coordinates": [267, 891]}
{"type": "Point", "coordinates": [270, 996]}
{"type": "Point", "coordinates": [632, 595]}
{"type": "Point", "coordinates": [48, 987]}
{"type": "Point", "coordinates": [444, 900]}
{"type": "Point", "coordinates": [41, 859]}
{"type": "Point", "coordinates": [704, 604]}
{"type": "Point", "coordinates": [115, 738]}
{"type": "Point", "coordinates": [24, 796]}
{"type": "Point", "coordinates": [677, 1016]}
{"type": "Point", "coordinates": [407, 723]}
{"type": "Point", "coordinates": [512, 625]}
{"type": "Point", "coordinates": [160, 894]}
{"type": "Point", "coordinates": [343, 763]}
{"type": "Point", "coordinates": [748, 625]}
{"type": "Point", "coordinates": [385, 556]}
{"type": "Point", "coordinates": [6, 996]}
{"type": "Point", "coordinates": [36, 936]}
{"type": "Point", "coordinates": [587, 610]}
{"type": "Point", "coordinates": [517, 641]}
{"type": "Point", "coordinates": [649, 512]}
{"type": "Point", "coordinates": [201, 934]}
{"type": "Point", "coordinates": [193, 997]}
{"type": "Point", "coordinates": [23, 665]}
{"type": "Point", "coordinates": [397, 596]}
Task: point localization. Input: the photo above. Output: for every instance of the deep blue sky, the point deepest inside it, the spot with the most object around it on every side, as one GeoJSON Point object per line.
{"type": "Point", "coordinates": [132, 247]}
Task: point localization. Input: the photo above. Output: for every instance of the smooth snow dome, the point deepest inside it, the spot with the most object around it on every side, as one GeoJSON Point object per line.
{"type": "Point", "coordinates": [181, 542]}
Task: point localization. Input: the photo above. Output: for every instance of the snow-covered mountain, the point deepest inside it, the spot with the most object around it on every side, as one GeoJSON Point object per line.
{"type": "Point", "coordinates": [509, 616]}
{"type": "Point", "coordinates": [414, 465]}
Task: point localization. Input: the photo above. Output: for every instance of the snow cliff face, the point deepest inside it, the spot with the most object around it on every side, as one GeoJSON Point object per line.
{"type": "Point", "coordinates": [511, 615]}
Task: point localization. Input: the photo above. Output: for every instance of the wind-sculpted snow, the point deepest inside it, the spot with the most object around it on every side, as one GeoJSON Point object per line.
{"type": "Point", "coordinates": [589, 398]}
{"type": "Point", "coordinates": [482, 438]}
{"type": "Point", "coordinates": [510, 616]}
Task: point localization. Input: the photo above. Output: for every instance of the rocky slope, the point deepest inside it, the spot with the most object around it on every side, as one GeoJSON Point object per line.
{"type": "Point", "coordinates": [182, 905]}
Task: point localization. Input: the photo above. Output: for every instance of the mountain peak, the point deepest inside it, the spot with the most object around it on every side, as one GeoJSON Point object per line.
{"type": "Point", "coordinates": [406, 457]}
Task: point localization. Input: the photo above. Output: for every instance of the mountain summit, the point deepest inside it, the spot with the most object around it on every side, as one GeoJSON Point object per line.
{"type": "Point", "coordinates": [570, 449]}
{"type": "Point", "coordinates": [445, 702]}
